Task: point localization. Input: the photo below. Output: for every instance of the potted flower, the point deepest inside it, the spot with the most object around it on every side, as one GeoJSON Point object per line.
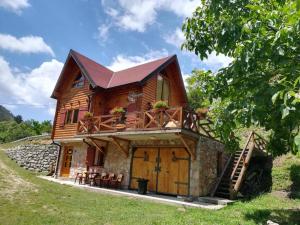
{"type": "Point", "coordinates": [117, 111]}
{"type": "Point", "coordinates": [202, 113]}
{"type": "Point", "coordinates": [88, 120]}
{"type": "Point", "coordinates": [160, 106]}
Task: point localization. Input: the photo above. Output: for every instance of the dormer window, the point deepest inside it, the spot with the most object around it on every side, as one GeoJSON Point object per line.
{"type": "Point", "coordinates": [79, 81]}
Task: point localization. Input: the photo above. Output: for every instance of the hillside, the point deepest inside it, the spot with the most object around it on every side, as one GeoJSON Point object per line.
{"type": "Point", "coordinates": [5, 114]}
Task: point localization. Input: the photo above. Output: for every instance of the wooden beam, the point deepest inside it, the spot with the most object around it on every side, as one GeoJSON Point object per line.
{"type": "Point", "coordinates": [98, 147]}
{"type": "Point", "coordinates": [117, 143]}
{"type": "Point", "coordinates": [184, 142]}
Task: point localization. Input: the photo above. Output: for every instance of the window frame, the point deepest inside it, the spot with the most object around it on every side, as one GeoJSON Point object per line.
{"type": "Point", "coordinates": [70, 116]}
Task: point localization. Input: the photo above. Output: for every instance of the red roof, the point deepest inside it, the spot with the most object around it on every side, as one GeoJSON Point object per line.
{"type": "Point", "coordinates": [100, 76]}
{"type": "Point", "coordinates": [105, 78]}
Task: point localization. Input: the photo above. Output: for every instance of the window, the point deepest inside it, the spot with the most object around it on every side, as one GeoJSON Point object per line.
{"type": "Point", "coordinates": [162, 91]}
{"type": "Point", "coordinates": [69, 116]}
{"type": "Point", "coordinates": [78, 82]}
{"type": "Point", "coordinates": [75, 115]}
{"type": "Point", "coordinates": [99, 158]}
{"type": "Point", "coordinates": [72, 116]}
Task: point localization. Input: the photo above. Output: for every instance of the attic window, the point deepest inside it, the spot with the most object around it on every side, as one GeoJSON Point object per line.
{"type": "Point", "coordinates": [78, 82]}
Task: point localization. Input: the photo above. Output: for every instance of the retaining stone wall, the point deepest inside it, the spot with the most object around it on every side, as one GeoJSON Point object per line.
{"type": "Point", "coordinates": [34, 157]}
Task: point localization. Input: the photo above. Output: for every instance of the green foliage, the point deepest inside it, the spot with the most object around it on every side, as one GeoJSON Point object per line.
{"type": "Point", "coordinates": [18, 119]}
{"type": "Point", "coordinates": [199, 88]}
{"type": "Point", "coordinates": [160, 105]}
{"type": "Point", "coordinates": [262, 85]}
{"type": "Point", "coordinates": [117, 110]}
{"type": "Point", "coordinates": [11, 130]}
{"type": "Point", "coordinates": [88, 115]}
{"type": "Point", "coordinates": [5, 114]}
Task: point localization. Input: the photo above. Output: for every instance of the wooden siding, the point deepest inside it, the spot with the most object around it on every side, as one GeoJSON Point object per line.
{"type": "Point", "coordinates": [176, 97]}
{"type": "Point", "coordinates": [70, 98]}
{"type": "Point", "coordinates": [149, 92]}
{"type": "Point", "coordinates": [117, 97]}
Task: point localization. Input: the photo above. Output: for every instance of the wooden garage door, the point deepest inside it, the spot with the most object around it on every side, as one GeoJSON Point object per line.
{"type": "Point", "coordinates": [167, 169]}
{"type": "Point", "coordinates": [144, 166]}
{"type": "Point", "coordinates": [173, 177]}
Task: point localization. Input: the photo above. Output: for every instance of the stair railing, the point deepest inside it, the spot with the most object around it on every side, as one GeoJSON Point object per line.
{"type": "Point", "coordinates": [250, 137]}
{"type": "Point", "coordinates": [213, 192]}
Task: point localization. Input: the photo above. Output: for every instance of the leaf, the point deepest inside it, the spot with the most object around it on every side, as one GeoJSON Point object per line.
{"type": "Point", "coordinates": [285, 112]}
{"type": "Point", "coordinates": [274, 97]}
{"type": "Point", "coordinates": [297, 141]}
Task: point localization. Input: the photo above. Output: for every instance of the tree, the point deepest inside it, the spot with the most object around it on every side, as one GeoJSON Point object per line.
{"type": "Point", "coordinates": [262, 84]}
{"type": "Point", "coordinates": [198, 88]}
{"type": "Point", "coordinates": [18, 119]}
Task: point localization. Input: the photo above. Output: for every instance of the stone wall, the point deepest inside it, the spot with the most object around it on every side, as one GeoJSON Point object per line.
{"type": "Point", "coordinates": [34, 157]}
{"type": "Point", "coordinates": [117, 162]}
{"type": "Point", "coordinates": [208, 153]}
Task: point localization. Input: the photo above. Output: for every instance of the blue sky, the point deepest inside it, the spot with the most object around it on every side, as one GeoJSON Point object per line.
{"type": "Point", "coordinates": [36, 36]}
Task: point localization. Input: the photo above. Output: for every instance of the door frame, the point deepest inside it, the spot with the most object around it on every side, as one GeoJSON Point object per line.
{"type": "Point", "coordinates": [157, 164]}
{"type": "Point", "coordinates": [66, 148]}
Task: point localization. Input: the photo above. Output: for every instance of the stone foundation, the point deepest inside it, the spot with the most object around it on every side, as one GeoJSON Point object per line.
{"type": "Point", "coordinates": [34, 157]}
{"type": "Point", "coordinates": [203, 170]}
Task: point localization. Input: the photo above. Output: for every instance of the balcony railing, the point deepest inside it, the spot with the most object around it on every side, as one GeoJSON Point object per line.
{"type": "Point", "coordinates": [173, 118]}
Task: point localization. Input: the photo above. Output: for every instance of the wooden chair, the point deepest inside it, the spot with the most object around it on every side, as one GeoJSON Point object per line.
{"type": "Point", "coordinates": [116, 182]}
{"type": "Point", "coordinates": [79, 177]}
{"type": "Point", "coordinates": [92, 177]}
{"type": "Point", "coordinates": [99, 179]}
{"type": "Point", "coordinates": [106, 180]}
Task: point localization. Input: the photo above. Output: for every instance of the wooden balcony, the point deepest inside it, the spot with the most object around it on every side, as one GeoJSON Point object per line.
{"type": "Point", "coordinates": [173, 118]}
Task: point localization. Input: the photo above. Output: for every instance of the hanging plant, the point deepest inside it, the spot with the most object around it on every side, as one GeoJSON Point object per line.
{"type": "Point", "coordinates": [202, 113]}
{"type": "Point", "coordinates": [160, 106]}
{"type": "Point", "coordinates": [117, 111]}
{"type": "Point", "coordinates": [89, 122]}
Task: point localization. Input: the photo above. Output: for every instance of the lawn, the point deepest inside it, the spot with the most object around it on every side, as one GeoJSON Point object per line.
{"type": "Point", "coordinates": [27, 199]}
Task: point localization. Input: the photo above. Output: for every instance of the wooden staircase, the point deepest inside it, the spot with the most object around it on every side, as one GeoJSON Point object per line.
{"type": "Point", "coordinates": [229, 182]}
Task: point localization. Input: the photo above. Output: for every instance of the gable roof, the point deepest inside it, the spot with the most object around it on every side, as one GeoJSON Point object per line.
{"type": "Point", "coordinates": [100, 76]}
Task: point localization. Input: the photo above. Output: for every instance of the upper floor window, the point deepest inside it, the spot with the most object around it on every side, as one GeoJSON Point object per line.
{"type": "Point", "coordinates": [79, 81]}
{"type": "Point", "coordinates": [72, 116]}
{"type": "Point", "coordinates": [162, 91]}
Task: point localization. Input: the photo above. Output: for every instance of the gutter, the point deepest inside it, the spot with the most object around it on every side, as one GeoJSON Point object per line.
{"type": "Point", "coordinates": [58, 158]}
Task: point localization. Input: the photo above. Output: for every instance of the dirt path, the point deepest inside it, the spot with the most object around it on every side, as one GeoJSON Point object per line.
{"type": "Point", "coordinates": [11, 184]}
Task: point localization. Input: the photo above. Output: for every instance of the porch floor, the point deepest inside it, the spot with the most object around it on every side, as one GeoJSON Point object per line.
{"type": "Point", "coordinates": [133, 194]}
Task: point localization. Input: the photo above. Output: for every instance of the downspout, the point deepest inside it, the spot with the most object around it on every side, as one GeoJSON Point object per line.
{"type": "Point", "coordinates": [58, 158]}
{"type": "Point", "coordinates": [84, 141]}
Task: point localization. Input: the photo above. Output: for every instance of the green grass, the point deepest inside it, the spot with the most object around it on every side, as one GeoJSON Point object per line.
{"type": "Point", "coordinates": [37, 201]}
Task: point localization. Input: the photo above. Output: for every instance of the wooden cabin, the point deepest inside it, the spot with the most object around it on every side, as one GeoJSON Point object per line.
{"type": "Point", "coordinates": [105, 121]}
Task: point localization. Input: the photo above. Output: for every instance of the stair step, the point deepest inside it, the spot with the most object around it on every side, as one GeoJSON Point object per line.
{"type": "Point", "coordinates": [215, 200]}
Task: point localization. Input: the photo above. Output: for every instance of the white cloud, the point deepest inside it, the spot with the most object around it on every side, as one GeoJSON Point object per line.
{"type": "Point", "coordinates": [14, 5]}
{"type": "Point", "coordinates": [121, 61]}
{"type": "Point", "coordinates": [103, 32]}
{"type": "Point", "coordinates": [31, 88]}
{"type": "Point", "coordinates": [217, 61]}
{"type": "Point", "coordinates": [138, 14]}
{"type": "Point", "coordinates": [27, 44]}
{"type": "Point", "coordinates": [176, 38]}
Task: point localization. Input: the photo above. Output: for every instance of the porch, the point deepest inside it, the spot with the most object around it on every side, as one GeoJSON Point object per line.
{"type": "Point", "coordinates": [171, 200]}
